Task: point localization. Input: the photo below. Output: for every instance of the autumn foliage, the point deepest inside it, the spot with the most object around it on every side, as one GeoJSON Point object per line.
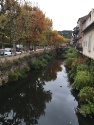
{"type": "Point", "coordinates": [27, 24]}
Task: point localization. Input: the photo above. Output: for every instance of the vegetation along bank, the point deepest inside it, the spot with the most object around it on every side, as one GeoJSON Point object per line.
{"type": "Point", "coordinates": [18, 69]}
{"type": "Point", "coordinates": [81, 73]}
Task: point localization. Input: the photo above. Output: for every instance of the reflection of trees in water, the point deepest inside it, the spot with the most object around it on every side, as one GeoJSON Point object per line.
{"type": "Point", "coordinates": [24, 102]}
{"type": "Point", "coordinates": [85, 120]}
{"type": "Point", "coordinates": [82, 120]}
{"type": "Point", "coordinates": [27, 106]}
{"type": "Point", "coordinates": [75, 93]}
{"type": "Point", "coordinates": [51, 72]}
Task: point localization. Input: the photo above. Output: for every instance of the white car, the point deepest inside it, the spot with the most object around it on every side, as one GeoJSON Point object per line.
{"type": "Point", "coordinates": [18, 52]}
{"type": "Point", "coordinates": [7, 52]}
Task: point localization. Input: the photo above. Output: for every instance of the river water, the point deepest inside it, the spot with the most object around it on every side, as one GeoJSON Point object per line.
{"type": "Point", "coordinates": [44, 98]}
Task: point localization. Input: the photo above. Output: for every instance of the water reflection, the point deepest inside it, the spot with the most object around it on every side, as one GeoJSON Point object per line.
{"type": "Point", "coordinates": [25, 101]}
{"type": "Point", "coordinates": [51, 72]}
{"type": "Point", "coordinates": [27, 106]}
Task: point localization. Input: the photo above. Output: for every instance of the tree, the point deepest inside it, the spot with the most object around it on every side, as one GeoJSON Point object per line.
{"type": "Point", "coordinates": [9, 12]}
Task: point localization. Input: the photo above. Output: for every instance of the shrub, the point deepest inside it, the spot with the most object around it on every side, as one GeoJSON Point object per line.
{"type": "Point", "coordinates": [22, 74]}
{"type": "Point", "coordinates": [13, 76]}
{"type": "Point", "coordinates": [73, 71]}
{"type": "Point", "coordinates": [82, 67]}
{"type": "Point", "coordinates": [72, 53]}
{"type": "Point", "coordinates": [82, 79]}
{"type": "Point", "coordinates": [68, 62]}
{"type": "Point", "coordinates": [87, 109]}
{"type": "Point", "coordinates": [86, 94]}
{"type": "Point", "coordinates": [37, 64]}
{"type": "Point", "coordinates": [26, 69]}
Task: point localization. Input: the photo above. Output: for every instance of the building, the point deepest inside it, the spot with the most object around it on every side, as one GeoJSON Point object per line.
{"type": "Point", "coordinates": [88, 35]}
{"type": "Point", "coordinates": [77, 34]}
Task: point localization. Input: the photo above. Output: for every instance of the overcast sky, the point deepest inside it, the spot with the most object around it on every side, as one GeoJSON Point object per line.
{"type": "Point", "coordinates": [65, 13]}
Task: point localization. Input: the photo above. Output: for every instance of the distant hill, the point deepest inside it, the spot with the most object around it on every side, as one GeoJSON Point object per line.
{"type": "Point", "coordinates": [66, 33]}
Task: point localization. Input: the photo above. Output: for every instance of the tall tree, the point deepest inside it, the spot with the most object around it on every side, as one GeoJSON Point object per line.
{"type": "Point", "coordinates": [8, 13]}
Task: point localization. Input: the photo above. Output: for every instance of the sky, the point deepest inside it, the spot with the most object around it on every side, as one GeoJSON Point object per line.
{"type": "Point", "coordinates": [64, 13]}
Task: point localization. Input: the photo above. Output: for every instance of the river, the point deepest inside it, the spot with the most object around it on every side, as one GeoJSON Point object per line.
{"type": "Point", "coordinates": [44, 98]}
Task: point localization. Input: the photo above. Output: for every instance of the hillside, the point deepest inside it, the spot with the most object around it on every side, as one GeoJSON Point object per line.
{"type": "Point", "coordinates": [66, 33]}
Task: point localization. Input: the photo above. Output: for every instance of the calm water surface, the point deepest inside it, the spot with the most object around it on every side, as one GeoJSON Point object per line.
{"type": "Point", "coordinates": [44, 98]}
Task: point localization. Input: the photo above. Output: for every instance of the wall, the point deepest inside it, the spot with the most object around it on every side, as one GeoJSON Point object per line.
{"type": "Point", "coordinates": [88, 43]}
{"type": "Point", "coordinates": [5, 61]}
{"type": "Point", "coordinates": [89, 20]}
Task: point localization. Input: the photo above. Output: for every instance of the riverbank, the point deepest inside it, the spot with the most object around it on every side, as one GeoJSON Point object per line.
{"type": "Point", "coordinates": [45, 97]}
{"type": "Point", "coordinates": [81, 73]}
{"type": "Point", "coordinates": [16, 67]}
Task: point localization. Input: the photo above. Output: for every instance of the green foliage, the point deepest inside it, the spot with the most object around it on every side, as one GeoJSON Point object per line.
{"type": "Point", "coordinates": [22, 74]}
{"type": "Point", "coordinates": [82, 72]}
{"type": "Point", "coordinates": [26, 68]}
{"type": "Point", "coordinates": [41, 61]}
{"type": "Point", "coordinates": [71, 52]}
{"type": "Point", "coordinates": [82, 67]}
{"type": "Point", "coordinates": [68, 62]}
{"type": "Point", "coordinates": [37, 64]}
{"type": "Point", "coordinates": [66, 33]}
{"type": "Point", "coordinates": [86, 94]}
{"type": "Point", "coordinates": [18, 74]}
{"type": "Point", "coordinates": [13, 76]}
{"type": "Point", "coordinates": [73, 71]}
{"type": "Point", "coordinates": [71, 55]}
{"type": "Point", "coordinates": [82, 79]}
{"type": "Point", "coordinates": [87, 109]}
{"type": "Point", "coordinates": [46, 56]}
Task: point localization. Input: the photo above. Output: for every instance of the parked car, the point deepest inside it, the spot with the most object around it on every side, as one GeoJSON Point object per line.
{"type": "Point", "coordinates": [18, 52]}
{"type": "Point", "coordinates": [7, 52]}
{"type": "Point", "coordinates": [8, 49]}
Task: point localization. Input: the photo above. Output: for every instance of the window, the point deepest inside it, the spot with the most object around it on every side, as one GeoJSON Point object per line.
{"type": "Point", "coordinates": [89, 43]}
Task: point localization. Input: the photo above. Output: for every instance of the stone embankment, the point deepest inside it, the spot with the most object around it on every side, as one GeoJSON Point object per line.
{"type": "Point", "coordinates": [6, 64]}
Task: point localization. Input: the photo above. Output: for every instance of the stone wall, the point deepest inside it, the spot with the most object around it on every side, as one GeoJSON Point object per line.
{"type": "Point", "coordinates": [4, 72]}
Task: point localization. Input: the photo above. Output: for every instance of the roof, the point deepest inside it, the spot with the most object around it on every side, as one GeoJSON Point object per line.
{"type": "Point", "coordinates": [82, 18]}
{"type": "Point", "coordinates": [87, 16]}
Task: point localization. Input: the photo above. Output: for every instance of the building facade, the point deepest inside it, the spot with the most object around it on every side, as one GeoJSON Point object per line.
{"type": "Point", "coordinates": [88, 35]}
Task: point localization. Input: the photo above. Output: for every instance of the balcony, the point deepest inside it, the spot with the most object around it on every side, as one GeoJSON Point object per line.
{"type": "Point", "coordinates": [76, 30]}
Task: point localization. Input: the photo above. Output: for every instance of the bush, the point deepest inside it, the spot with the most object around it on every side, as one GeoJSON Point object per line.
{"type": "Point", "coordinates": [68, 62]}
{"type": "Point", "coordinates": [86, 94]}
{"type": "Point", "coordinates": [22, 74]}
{"type": "Point", "coordinates": [37, 64]}
{"type": "Point", "coordinates": [72, 53]}
{"type": "Point", "coordinates": [73, 71]}
{"type": "Point", "coordinates": [82, 67]}
{"type": "Point", "coordinates": [87, 109]}
{"type": "Point", "coordinates": [13, 76]}
{"type": "Point", "coordinates": [82, 79]}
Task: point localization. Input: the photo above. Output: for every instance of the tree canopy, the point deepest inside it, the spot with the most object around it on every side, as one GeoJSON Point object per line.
{"type": "Point", "coordinates": [27, 24]}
